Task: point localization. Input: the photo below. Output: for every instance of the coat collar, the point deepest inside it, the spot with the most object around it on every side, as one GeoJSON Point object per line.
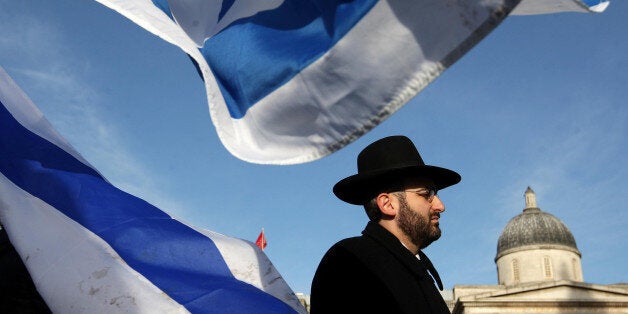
{"type": "Point", "coordinates": [395, 247]}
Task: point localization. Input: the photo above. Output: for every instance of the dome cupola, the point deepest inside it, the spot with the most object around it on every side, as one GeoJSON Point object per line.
{"type": "Point", "coordinates": [534, 228]}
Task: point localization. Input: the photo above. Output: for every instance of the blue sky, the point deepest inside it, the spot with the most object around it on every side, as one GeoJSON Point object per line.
{"type": "Point", "coordinates": [541, 102]}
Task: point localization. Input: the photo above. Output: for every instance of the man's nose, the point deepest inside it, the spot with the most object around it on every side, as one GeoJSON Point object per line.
{"type": "Point", "coordinates": [437, 204]}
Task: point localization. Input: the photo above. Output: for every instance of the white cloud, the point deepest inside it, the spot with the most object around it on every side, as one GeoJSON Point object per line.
{"type": "Point", "coordinates": [40, 59]}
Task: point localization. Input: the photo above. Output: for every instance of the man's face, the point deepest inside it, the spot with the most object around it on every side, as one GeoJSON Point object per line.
{"type": "Point", "coordinates": [418, 216]}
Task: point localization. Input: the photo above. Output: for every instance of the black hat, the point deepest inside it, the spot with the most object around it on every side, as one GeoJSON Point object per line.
{"type": "Point", "coordinates": [389, 158]}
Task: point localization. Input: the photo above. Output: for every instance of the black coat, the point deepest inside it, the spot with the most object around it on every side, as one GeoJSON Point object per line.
{"type": "Point", "coordinates": [374, 273]}
{"type": "Point", "coordinates": [17, 290]}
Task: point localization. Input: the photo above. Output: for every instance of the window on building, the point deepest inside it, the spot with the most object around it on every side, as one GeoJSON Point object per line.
{"type": "Point", "coordinates": [515, 270]}
{"type": "Point", "coordinates": [575, 268]}
{"type": "Point", "coordinates": [547, 265]}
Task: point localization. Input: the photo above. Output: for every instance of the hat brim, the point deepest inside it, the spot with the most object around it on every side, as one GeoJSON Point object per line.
{"type": "Point", "coordinates": [360, 188]}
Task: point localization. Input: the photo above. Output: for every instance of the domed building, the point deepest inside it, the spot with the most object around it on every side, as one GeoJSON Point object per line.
{"type": "Point", "coordinates": [538, 271]}
{"type": "Point", "coordinates": [536, 246]}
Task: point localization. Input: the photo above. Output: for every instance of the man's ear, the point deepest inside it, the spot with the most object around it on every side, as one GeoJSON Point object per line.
{"type": "Point", "coordinates": [387, 203]}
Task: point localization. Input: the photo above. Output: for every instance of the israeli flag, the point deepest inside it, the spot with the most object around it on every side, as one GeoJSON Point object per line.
{"type": "Point", "coordinates": [291, 81]}
{"type": "Point", "coordinates": [92, 248]}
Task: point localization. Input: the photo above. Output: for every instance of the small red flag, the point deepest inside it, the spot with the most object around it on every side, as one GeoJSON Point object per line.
{"type": "Point", "coordinates": [261, 240]}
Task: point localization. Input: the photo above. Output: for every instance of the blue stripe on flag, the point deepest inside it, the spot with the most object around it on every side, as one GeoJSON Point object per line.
{"type": "Point", "coordinates": [183, 263]}
{"type": "Point", "coordinates": [256, 55]}
{"type": "Point", "coordinates": [591, 3]}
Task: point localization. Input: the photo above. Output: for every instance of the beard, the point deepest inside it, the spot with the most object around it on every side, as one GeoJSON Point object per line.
{"type": "Point", "coordinates": [416, 227]}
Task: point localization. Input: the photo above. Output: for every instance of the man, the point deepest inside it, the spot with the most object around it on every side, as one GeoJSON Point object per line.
{"type": "Point", "coordinates": [384, 270]}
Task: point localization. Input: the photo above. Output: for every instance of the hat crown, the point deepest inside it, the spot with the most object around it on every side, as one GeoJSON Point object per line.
{"type": "Point", "coordinates": [384, 162]}
{"type": "Point", "coordinates": [389, 153]}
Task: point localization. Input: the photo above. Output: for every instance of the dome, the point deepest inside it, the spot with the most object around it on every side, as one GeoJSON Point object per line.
{"type": "Point", "coordinates": [533, 229]}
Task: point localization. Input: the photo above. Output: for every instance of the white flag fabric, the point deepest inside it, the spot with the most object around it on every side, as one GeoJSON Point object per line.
{"type": "Point", "coordinates": [291, 81]}
{"type": "Point", "coordinates": [529, 7]}
{"type": "Point", "coordinates": [92, 248]}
